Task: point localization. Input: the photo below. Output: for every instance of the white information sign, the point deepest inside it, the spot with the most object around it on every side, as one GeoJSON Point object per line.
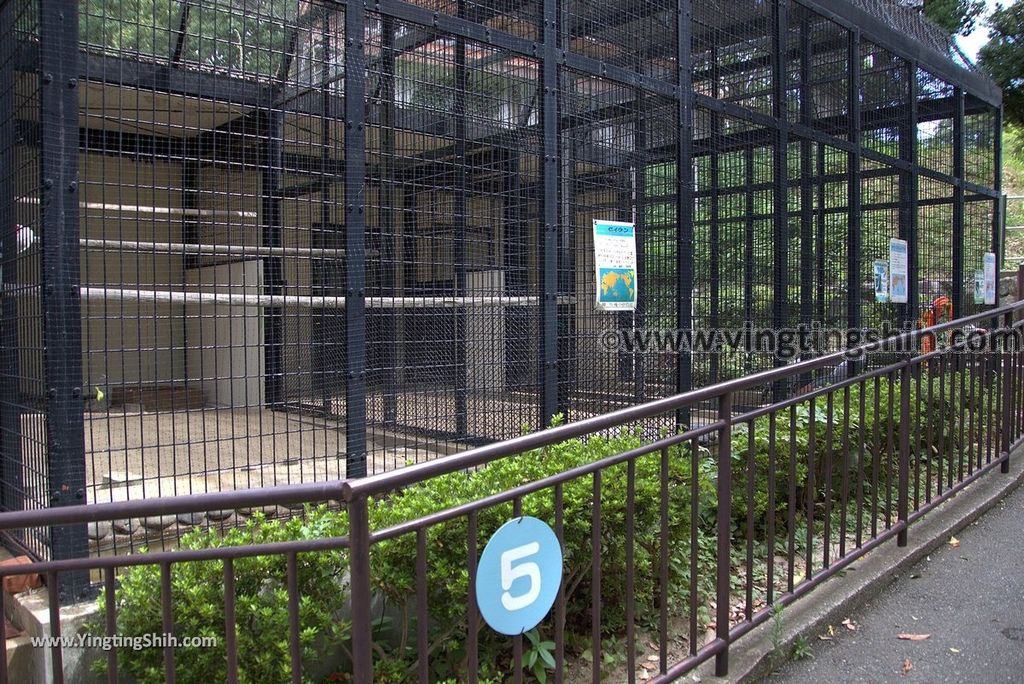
{"type": "Point", "coordinates": [615, 265]}
{"type": "Point", "coordinates": [989, 263]}
{"type": "Point", "coordinates": [898, 285]}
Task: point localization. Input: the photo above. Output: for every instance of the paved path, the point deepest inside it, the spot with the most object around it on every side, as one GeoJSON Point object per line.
{"type": "Point", "coordinates": [970, 600]}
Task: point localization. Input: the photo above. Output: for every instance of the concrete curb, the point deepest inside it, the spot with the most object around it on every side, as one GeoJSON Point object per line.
{"type": "Point", "coordinates": [753, 657]}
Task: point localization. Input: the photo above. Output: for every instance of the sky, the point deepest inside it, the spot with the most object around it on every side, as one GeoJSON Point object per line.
{"type": "Point", "coordinates": [970, 44]}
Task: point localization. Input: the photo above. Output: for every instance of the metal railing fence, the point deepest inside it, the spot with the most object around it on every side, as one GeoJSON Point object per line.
{"type": "Point", "coordinates": [654, 562]}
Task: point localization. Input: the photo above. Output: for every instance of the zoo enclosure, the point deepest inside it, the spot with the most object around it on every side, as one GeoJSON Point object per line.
{"type": "Point", "coordinates": [279, 242]}
{"type": "Point", "coordinates": [980, 397]}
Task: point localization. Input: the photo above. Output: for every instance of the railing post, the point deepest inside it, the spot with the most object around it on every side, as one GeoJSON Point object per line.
{"type": "Point", "coordinates": [902, 502]}
{"type": "Point", "coordinates": [359, 585]}
{"type": "Point", "coordinates": [724, 532]}
{"type": "Point", "coordinates": [1006, 379]}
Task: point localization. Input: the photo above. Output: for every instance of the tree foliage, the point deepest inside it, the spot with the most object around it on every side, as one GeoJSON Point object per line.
{"type": "Point", "coordinates": [1003, 57]}
{"type": "Point", "coordinates": [956, 17]}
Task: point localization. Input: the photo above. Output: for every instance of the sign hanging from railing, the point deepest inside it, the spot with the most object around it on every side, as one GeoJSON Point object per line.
{"type": "Point", "coordinates": [518, 575]}
{"type": "Point", "coordinates": [615, 265]}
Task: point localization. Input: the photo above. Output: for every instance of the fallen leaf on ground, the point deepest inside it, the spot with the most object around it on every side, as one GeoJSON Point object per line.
{"type": "Point", "coordinates": [850, 625]}
{"type": "Point", "coordinates": [954, 542]}
{"type": "Point", "coordinates": [907, 666]}
{"type": "Point", "coordinates": [954, 650]}
{"type": "Point", "coordinates": [913, 637]}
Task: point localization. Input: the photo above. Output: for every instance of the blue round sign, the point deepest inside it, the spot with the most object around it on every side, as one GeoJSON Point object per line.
{"type": "Point", "coordinates": [518, 575]}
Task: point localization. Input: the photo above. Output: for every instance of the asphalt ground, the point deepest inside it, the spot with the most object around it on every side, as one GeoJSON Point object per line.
{"type": "Point", "coordinates": [969, 599]}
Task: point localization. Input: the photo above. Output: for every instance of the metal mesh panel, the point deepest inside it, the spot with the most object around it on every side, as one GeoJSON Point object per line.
{"type": "Point", "coordinates": [23, 428]}
{"type": "Point", "coordinates": [320, 240]}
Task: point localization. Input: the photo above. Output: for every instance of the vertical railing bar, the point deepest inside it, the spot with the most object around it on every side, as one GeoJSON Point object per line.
{"type": "Point", "coordinates": [961, 447]}
{"type": "Point", "coordinates": [860, 463]}
{"type": "Point", "coordinates": [940, 453]}
{"type": "Point", "coordinates": [560, 600]}
{"type": "Point", "coordinates": [892, 447]}
{"type": "Point", "coordinates": [694, 518]}
{"type": "Point", "coordinates": [929, 417]}
{"type": "Point", "coordinates": [630, 571]}
{"type": "Point", "coordinates": [1007, 380]}
{"type": "Point", "coordinates": [827, 533]}
{"type": "Point", "coordinates": [903, 495]}
{"type": "Point", "coordinates": [791, 503]}
{"type": "Point", "coordinates": [110, 608]}
{"type": "Point", "coordinates": [724, 533]}
{"type": "Point", "coordinates": [751, 475]}
{"type": "Point", "coordinates": [844, 496]}
{"type": "Point", "coordinates": [294, 642]}
{"type": "Point", "coordinates": [422, 616]}
{"type": "Point", "coordinates": [772, 426]}
{"type": "Point", "coordinates": [472, 613]}
{"type": "Point", "coordinates": [360, 587]}
{"type": "Point", "coordinates": [916, 413]}
{"type": "Point", "coordinates": [167, 622]}
{"type": "Point", "coordinates": [663, 542]}
{"type": "Point", "coordinates": [57, 648]}
{"type": "Point", "coordinates": [810, 487]}
{"type": "Point", "coordinates": [875, 457]}
{"type": "Point", "coordinates": [4, 676]}
{"type": "Point", "coordinates": [595, 579]}
{"type": "Point", "coordinates": [230, 621]}
{"type": "Point", "coordinates": [972, 409]}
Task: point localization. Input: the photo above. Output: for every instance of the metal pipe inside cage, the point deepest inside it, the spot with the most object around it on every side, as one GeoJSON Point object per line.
{"type": "Point", "coordinates": [210, 250]}
{"type": "Point", "coordinates": [300, 301]}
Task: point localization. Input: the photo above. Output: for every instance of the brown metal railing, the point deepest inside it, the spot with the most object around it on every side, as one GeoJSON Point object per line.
{"type": "Point", "coordinates": [863, 485]}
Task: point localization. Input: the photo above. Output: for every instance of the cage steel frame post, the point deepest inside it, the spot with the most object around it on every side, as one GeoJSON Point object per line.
{"type": "Point", "coordinates": [780, 168]}
{"type": "Point", "coordinates": [640, 230]}
{"type": "Point", "coordinates": [62, 323]}
{"type": "Point", "coordinates": [271, 192]}
{"type": "Point", "coordinates": [908, 189]}
{"type": "Point", "coordinates": [684, 198]}
{"type": "Point", "coordinates": [460, 326]}
{"type": "Point", "coordinates": [958, 201]}
{"type": "Point", "coordinates": [355, 242]}
{"type": "Point", "coordinates": [853, 187]}
{"type": "Point", "coordinates": [549, 345]}
{"type": "Point", "coordinates": [392, 325]}
{"type": "Point", "coordinates": [714, 211]}
{"type": "Point", "coordinates": [11, 476]}
{"type": "Point", "coordinates": [807, 261]}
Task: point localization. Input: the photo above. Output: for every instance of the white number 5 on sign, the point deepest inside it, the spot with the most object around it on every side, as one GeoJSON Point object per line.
{"type": "Point", "coordinates": [510, 573]}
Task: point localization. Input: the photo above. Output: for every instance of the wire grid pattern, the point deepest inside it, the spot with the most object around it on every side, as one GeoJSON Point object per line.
{"type": "Point", "coordinates": [313, 238]}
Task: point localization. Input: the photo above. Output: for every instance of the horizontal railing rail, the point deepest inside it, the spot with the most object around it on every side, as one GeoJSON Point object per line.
{"type": "Point", "coordinates": [679, 536]}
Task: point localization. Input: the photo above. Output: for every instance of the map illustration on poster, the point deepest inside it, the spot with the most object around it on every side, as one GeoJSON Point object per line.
{"type": "Point", "coordinates": [615, 265]}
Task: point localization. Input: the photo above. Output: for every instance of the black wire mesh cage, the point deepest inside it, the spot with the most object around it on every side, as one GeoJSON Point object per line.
{"type": "Point", "coordinates": [255, 242]}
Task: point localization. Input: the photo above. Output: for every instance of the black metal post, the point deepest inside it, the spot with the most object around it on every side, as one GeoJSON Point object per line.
{"type": "Point", "coordinates": [684, 197]}
{"type": "Point", "coordinates": [273, 266]}
{"type": "Point", "coordinates": [391, 321]}
{"type": "Point", "coordinates": [355, 243]}
{"type": "Point", "coordinates": [821, 239]}
{"type": "Point", "coordinates": [640, 231]}
{"type": "Point", "coordinates": [62, 322]}
{"type": "Point", "coordinates": [958, 298]}
{"type": "Point", "coordinates": [461, 392]}
{"type": "Point", "coordinates": [853, 187]}
{"type": "Point", "coordinates": [11, 473]}
{"type": "Point", "coordinates": [806, 187]}
{"type": "Point", "coordinates": [908, 199]}
{"type": "Point", "coordinates": [780, 178]}
{"type": "Point", "coordinates": [549, 230]}
{"type": "Point", "coordinates": [999, 208]}
{"type": "Point", "coordinates": [714, 231]}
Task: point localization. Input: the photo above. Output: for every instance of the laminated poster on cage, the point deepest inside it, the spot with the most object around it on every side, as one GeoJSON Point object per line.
{"type": "Point", "coordinates": [615, 265]}
{"type": "Point", "coordinates": [898, 284]}
{"type": "Point", "coordinates": [989, 270]}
